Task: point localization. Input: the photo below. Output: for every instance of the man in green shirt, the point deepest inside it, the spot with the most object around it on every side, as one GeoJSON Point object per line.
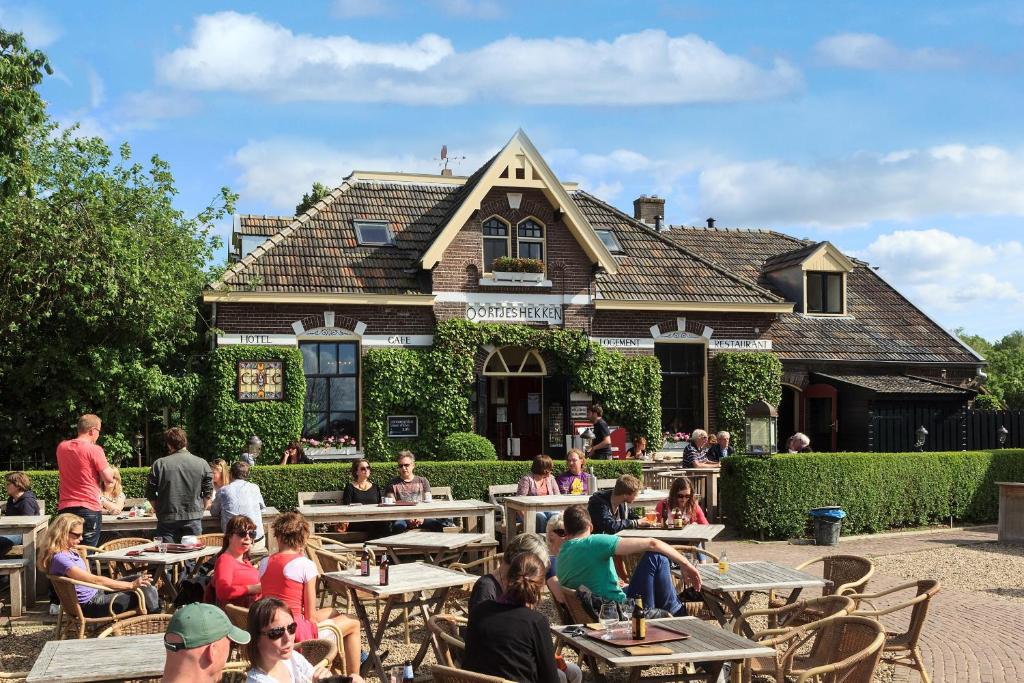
{"type": "Point", "coordinates": [585, 559]}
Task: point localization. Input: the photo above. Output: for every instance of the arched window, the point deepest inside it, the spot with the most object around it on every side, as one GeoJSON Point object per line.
{"type": "Point", "coordinates": [531, 239]}
{"type": "Point", "coordinates": [497, 234]}
{"type": "Point", "coordinates": [515, 360]}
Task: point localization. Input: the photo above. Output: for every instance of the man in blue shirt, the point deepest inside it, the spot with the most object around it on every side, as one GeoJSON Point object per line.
{"type": "Point", "coordinates": [241, 497]}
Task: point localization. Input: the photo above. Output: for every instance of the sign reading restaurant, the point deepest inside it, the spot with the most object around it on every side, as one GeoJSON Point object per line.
{"type": "Point", "coordinates": [514, 311]}
{"type": "Point", "coordinates": [740, 344]}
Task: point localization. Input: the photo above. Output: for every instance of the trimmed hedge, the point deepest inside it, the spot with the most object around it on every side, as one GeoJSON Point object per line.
{"type": "Point", "coordinates": [281, 483]}
{"type": "Point", "coordinates": [468, 446]}
{"type": "Point", "coordinates": [770, 497]}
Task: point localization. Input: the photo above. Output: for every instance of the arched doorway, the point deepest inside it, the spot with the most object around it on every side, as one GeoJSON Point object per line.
{"type": "Point", "coordinates": [515, 413]}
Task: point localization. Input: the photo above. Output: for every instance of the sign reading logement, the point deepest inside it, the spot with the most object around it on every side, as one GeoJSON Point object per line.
{"type": "Point", "coordinates": [260, 380]}
{"type": "Point", "coordinates": [624, 342]}
{"type": "Point", "coordinates": [403, 426]}
{"type": "Point", "coordinates": [740, 344]}
{"type": "Point", "coordinates": [514, 311]}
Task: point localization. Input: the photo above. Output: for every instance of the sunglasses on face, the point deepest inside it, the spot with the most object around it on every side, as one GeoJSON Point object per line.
{"type": "Point", "coordinates": [75, 534]}
{"type": "Point", "coordinates": [242, 534]}
{"type": "Point", "coordinates": [403, 465]}
{"type": "Point", "coordinates": [559, 532]}
{"type": "Point", "coordinates": [278, 633]}
{"type": "Point", "coordinates": [364, 468]}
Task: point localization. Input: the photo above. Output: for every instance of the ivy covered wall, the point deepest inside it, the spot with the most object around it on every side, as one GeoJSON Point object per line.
{"type": "Point", "coordinates": [437, 383]}
{"type": "Point", "coordinates": [740, 379]}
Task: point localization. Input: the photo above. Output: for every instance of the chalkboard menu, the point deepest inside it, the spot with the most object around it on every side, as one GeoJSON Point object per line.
{"type": "Point", "coordinates": [403, 426]}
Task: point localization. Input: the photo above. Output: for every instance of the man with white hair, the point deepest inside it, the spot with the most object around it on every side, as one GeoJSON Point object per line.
{"type": "Point", "coordinates": [695, 453]}
{"type": "Point", "coordinates": [799, 443]}
{"type": "Point", "coordinates": [721, 448]}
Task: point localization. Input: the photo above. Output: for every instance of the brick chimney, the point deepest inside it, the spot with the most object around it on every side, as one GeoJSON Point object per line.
{"type": "Point", "coordinates": [647, 209]}
{"type": "Point", "coordinates": [447, 172]}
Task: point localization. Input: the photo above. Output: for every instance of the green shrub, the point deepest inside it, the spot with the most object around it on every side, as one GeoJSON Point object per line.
{"type": "Point", "coordinates": [225, 423]}
{"type": "Point", "coordinates": [280, 484]}
{"type": "Point", "coordinates": [741, 379]}
{"type": "Point", "coordinates": [988, 402]}
{"type": "Point", "coordinates": [771, 496]}
{"type": "Point", "coordinates": [512, 264]}
{"type": "Point", "coordinates": [468, 446]}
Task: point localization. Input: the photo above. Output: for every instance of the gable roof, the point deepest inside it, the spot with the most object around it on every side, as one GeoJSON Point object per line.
{"type": "Point", "coordinates": [804, 254]}
{"type": "Point", "coordinates": [502, 169]}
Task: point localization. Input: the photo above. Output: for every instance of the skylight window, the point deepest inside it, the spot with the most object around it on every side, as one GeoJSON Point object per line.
{"type": "Point", "coordinates": [375, 233]}
{"type": "Point", "coordinates": [611, 241]}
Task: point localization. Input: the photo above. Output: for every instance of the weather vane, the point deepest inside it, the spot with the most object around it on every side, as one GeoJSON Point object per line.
{"type": "Point", "coordinates": [444, 159]}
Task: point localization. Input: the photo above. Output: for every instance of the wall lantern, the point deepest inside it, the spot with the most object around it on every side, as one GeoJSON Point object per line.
{"type": "Point", "coordinates": [922, 436]}
{"type": "Point", "coordinates": [514, 200]}
{"type": "Point", "coordinates": [762, 428]}
{"type": "Point", "coordinates": [139, 441]}
{"type": "Point", "coordinates": [1003, 432]}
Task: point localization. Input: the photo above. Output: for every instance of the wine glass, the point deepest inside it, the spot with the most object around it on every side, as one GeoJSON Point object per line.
{"type": "Point", "coordinates": [627, 607]}
{"type": "Point", "coordinates": [609, 616]}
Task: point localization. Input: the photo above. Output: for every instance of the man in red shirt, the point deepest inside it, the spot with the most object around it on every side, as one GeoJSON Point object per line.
{"type": "Point", "coordinates": [83, 466]}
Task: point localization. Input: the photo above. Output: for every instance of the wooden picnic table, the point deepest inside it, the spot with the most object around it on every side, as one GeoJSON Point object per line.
{"type": "Point", "coordinates": [479, 515]}
{"type": "Point", "coordinates": [709, 644]}
{"type": "Point", "coordinates": [726, 594]}
{"type": "Point", "coordinates": [117, 658]}
{"type": "Point", "coordinates": [420, 586]}
{"type": "Point", "coordinates": [31, 528]}
{"type": "Point", "coordinates": [160, 562]}
{"type": "Point", "coordinates": [691, 534]}
{"type": "Point", "coordinates": [436, 547]}
{"type": "Point", "coordinates": [146, 524]}
{"type": "Point", "coordinates": [528, 506]}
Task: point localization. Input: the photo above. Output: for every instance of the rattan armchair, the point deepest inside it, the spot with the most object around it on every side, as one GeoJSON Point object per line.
{"type": "Point", "coordinates": [71, 620]}
{"type": "Point", "coordinates": [318, 651]}
{"type": "Point", "coordinates": [445, 630]}
{"type": "Point", "coordinates": [796, 613]}
{"type": "Point", "coordinates": [138, 626]}
{"type": "Point", "coordinates": [115, 569]}
{"type": "Point", "coordinates": [901, 647]}
{"type": "Point", "coordinates": [846, 574]}
{"type": "Point", "coordinates": [448, 674]}
{"type": "Point", "coordinates": [488, 564]}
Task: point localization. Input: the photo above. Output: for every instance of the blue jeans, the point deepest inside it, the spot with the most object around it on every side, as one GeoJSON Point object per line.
{"type": "Point", "coordinates": [8, 542]}
{"type": "Point", "coordinates": [91, 529]}
{"type": "Point", "coordinates": [652, 581]}
{"type": "Point", "coordinates": [172, 530]}
{"type": "Point", "coordinates": [402, 525]}
{"type": "Point", "coordinates": [542, 520]}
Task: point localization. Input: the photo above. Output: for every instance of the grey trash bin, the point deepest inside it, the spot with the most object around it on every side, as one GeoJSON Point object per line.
{"type": "Point", "coordinates": [828, 522]}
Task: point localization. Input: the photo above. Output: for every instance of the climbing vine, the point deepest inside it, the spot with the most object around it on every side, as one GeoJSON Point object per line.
{"type": "Point", "coordinates": [743, 378]}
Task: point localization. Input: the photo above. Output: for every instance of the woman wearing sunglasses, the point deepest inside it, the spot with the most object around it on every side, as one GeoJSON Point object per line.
{"type": "Point", "coordinates": [272, 647]}
{"type": "Point", "coordinates": [58, 557]}
{"type": "Point", "coordinates": [680, 497]}
{"type": "Point", "coordinates": [235, 580]}
{"type": "Point", "coordinates": [362, 491]}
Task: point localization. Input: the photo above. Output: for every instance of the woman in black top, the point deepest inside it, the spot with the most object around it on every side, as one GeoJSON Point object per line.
{"type": "Point", "coordinates": [491, 586]}
{"type": "Point", "coordinates": [363, 491]}
{"type": "Point", "coordinates": [21, 502]}
{"type": "Point", "coordinates": [508, 637]}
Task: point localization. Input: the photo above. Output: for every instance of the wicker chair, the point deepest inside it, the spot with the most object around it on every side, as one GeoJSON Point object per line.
{"type": "Point", "coordinates": [318, 651]}
{"type": "Point", "coordinates": [445, 629]}
{"type": "Point", "coordinates": [14, 676]}
{"type": "Point", "coordinates": [72, 621]}
{"type": "Point", "coordinates": [145, 625]}
{"type": "Point", "coordinates": [847, 574]}
{"type": "Point", "coordinates": [239, 616]}
{"type": "Point", "coordinates": [838, 648]}
{"type": "Point", "coordinates": [214, 540]}
{"type": "Point", "coordinates": [901, 648]}
{"type": "Point", "coordinates": [489, 563]}
{"type": "Point", "coordinates": [117, 569]}
{"type": "Point", "coordinates": [448, 674]}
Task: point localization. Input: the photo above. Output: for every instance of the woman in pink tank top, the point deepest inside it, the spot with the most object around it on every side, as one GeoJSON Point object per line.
{"type": "Point", "coordinates": [290, 576]}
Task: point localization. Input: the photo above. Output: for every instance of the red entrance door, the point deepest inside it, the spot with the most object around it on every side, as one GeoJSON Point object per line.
{"type": "Point", "coordinates": [525, 414]}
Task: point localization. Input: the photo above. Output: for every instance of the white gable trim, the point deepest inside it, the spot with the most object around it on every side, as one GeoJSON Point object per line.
{"type": "Point", "coordinates": [520, 146]}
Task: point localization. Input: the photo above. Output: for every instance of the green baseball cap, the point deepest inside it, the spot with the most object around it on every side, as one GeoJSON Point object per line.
{"type": "Point", "coordinates": [200, 624]}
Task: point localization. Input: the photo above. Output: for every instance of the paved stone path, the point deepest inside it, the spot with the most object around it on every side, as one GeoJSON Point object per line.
{"type": "Point", "coordinates": [969, 637]}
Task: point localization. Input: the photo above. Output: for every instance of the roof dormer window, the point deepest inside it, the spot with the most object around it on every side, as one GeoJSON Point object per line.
{"type": "Point", "coordinates": [373, 233]}
{"type": "Point", "coordinates": [825, 293]}
{"type": "Point", "coordinates": [609, 240]}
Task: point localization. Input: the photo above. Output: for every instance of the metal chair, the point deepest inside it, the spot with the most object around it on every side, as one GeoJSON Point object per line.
{"type": "Point", "coordinates": [138, 626]}
{"type": "Point", "coordinates": [448, 674]}
{"type": "Point", "coordinates": [901, 647]}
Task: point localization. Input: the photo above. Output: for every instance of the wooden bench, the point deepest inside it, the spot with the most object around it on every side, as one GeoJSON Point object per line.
{"type": "Point", "coordinates": [13, 568]}
{"type": "Point", "coordinates": [319, 498]}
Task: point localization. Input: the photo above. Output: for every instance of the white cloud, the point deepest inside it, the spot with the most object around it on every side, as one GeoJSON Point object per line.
{"type": "Point", "coordinates": [96, 88]}
{"type": "Point", "coordinates": [472, 9]}
{"type": "Point", "coordinates": [956, 277]}
{"type": "Point", "coordinates": [244, 53]}
{"type": "Point", "coordinates": [870, 51]}
{"type": "Point", "coordinates": [143, 110]}
{"type": "Point", "coordinates": [359, 9]}
{"type": "Point", "coordinates": [86, 125]}
{"type": "Point", "coordinates": [906, 185]}
{"type": "Point", "coordinates": [38, 28]}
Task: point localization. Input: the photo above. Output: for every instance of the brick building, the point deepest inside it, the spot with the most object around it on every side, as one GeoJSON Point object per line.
{"type": "Point", "coordinates": [386, 256]}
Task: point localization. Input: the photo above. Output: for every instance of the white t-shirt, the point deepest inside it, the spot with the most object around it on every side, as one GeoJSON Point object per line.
{"type": "Point", "coordinates": [299, 668]}
{"type": "Point", "coordinates": [300, 569]}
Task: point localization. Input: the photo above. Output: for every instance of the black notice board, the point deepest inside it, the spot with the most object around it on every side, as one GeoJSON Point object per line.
{"type": "Point", "coordinates": [403, 426]}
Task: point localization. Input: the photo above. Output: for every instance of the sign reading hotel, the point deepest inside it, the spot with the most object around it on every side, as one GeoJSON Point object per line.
{"type": "Point", "coordinates": [740, 344]}
{"type": "Point", "coordinates": [514, 311]}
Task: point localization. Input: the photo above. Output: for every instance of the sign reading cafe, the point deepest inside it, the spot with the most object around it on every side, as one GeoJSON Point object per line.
{"type": "Point", "coordinates": [514, 311]}
{"type": "Point", "coordinates": [260, 380]}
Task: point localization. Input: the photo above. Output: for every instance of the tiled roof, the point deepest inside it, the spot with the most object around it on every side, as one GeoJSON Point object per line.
{"type": "Point", "coordinates": [656, 269]}
{"type": "Point", "coordinates": [789, 258]}
{"type": "Point", "coordinates": [894, 384]}
{"type": "Point", "coordinates": [250, 225]}
{"type": "Point", "coordinates": [882, 325]}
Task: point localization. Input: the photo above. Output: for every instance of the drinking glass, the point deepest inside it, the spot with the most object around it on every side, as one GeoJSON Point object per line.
{"type": "Point", "coordinates": [161, 544]}
{"type": "Point", "coordinates": [627, 608]}
{"type": "Point", "coordinates": [397, 674]}
{"type": "Point", "coordinates": [609, 616]}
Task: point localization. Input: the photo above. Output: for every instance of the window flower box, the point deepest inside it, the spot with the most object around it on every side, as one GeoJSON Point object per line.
{"type": "Point", "coordinates": [518, 270]}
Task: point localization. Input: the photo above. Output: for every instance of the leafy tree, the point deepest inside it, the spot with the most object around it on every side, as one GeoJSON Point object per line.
{"type": "Point", "coordinates": [318, 192]}
{"type": "Point", "coordinates": [99, 278]}
{"type": "Point", "coordinates": [21, 109]}
{"type": "Point", "coordinates": [1005, 366]}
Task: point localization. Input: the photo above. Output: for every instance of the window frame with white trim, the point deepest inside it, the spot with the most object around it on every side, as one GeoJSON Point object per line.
{"type": "Point", "coordinates": [495, 239]}
{"type": "Point", "coordinates": [540, 242]}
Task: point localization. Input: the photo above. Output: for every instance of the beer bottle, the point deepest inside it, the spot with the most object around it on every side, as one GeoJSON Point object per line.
{"type": "Point", "coordinates": [677, 519]}
{"type": "Point", "coordinates": [639, 621]}
{"type": "Point", "coordinates": [364, 562]}
{"type": "Point", "coordinates": [385, 567]}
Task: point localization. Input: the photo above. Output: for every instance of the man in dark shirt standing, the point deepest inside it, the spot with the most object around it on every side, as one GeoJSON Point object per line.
{"type": "Point", "coordinates": [180, 488]}
{"type": "Point", "coordinates": [601, 448]}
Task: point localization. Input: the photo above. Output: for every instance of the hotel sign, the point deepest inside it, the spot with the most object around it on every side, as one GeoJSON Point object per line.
{"type": "Point", "coordinates": [514, 312]}
{"type": "Point", "coordinates": [740, 344]}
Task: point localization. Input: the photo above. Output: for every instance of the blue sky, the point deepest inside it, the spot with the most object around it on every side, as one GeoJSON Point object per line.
{"type": "Point", "coordinates": [891, 129]}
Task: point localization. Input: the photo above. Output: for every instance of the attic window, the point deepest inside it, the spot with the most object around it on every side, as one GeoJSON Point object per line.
{"type": "Point", "coordinates": [609, 240]}
{"type": "Point", "coordinates": [825, 293]}
{"type": "Point", "coordinates": [375, 233]}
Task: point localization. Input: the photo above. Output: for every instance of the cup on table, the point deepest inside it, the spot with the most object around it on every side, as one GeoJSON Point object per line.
{"type": "Point", "coordinates": [389, 500]}
{"type": "Point", "coordinates": [428, 497]}
{"type": "Point", "coordinates": [161, 544]}
{"type": "Point", "coordinates": [651, 517]}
